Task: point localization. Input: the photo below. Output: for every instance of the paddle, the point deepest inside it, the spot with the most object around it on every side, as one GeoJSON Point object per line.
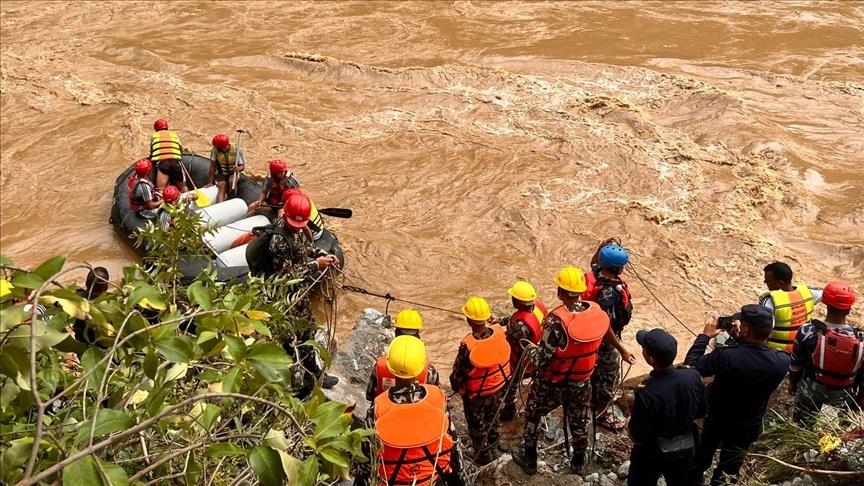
{"type": "Point", "coordinates": [236, 176]}
{"type": "Point", "coordinates": [334, 212]}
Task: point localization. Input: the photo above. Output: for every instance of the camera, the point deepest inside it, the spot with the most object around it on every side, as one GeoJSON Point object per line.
{"type": "Point", "coordinates": [724, 323]}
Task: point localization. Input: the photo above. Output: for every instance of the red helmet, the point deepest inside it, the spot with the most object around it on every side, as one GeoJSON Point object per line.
{"type": "Point", "coordinates": [277, 166]}
{"type": "Point", "coordinates": [160, 124]}
{"type": "Point", "coordinates": [143, 167]}
{"type": "Point", "coordinates": [298, 207]}
{"type": "Point", "coordinates": [221, 141]}
{"type": "Point", "coordinates": [839, 295]}
{"type": "Point", "coordinates": [170, 194]}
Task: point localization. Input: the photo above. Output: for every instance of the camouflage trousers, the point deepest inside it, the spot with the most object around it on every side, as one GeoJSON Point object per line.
{"type": "Point", "coordinates": [811, 395]}
{"type": "Point", "coordinates": [481, 421]}
{"type": "Point", "coordinates": [607, 372]}
{"type": "Point", "coordinates": [545, 396]}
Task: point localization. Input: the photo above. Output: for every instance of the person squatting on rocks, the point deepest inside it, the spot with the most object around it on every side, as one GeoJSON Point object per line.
{"type": "Point", "coordinates": [564, 362]}
{"type": "Point", "coordinates": [745, 375]}
{"type": "Point", "coordinates": [143, 197]}
{"type": "Point", "coordinates": [480, 375]}
{"type": "Point", "coordinates": [167, 153]}
{"type": "Point", "coordinates": [279, 180]}
{"type": "Point", "coordinates": [827, 358]}
{"type": "Point", "coordinates": [522, 327]}
{"type": "Point", "coordinates": [605, 286]}
{"type": "Point", "coordinates": [665, 407]}
{"type": "Point", "coordinates": [225, 161]}
{"type": "Point", "coordinates": [408, 323]}
{"type": "Point", "coordinates": [412, 423]}
{"type": "Point", "coordinates": [792, 306]}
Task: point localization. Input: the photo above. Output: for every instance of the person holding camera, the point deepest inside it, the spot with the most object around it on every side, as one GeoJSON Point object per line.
{"type": "Point", "coordinates": [745, 375]}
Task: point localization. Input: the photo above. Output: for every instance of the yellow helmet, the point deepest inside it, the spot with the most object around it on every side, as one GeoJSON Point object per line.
{"type": "Point", "coordinates": [406, 356]}
{"type": "Point", "coordinates": [408, 319]}
{"type": "Point", "coordinates": [477, 309]}
{"type": "Point", "coordinates": [571, 279]}
{"type": "Point", "coordinates": [522, 290]}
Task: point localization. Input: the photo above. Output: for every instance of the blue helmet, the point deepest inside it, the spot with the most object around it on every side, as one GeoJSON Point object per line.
{"type": "Point", "coordinates": [612, 256]}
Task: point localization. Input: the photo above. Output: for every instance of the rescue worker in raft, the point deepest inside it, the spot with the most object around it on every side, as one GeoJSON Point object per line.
{"type": "Point", "coordinates": [606, 287]}
{"type": "Point", "coordinates": [480, 375]}
{"type": "Point", "coordinates": [143, 197]}
{"type": "Point", "coordinates": [408, 323]}
{"type": "Point", "coordinates": [167, 153]}
{"type": "Point", "coordinates": [523, 327]}
{"type": "Point", "coordinates": [226, 160]}
{"type": "Point", "coordinates": [564, 362]}
{"type": "Point", "coordinates": [792, 305]}
{"type": "Point", "coordinates": [277, 182]}
{"type": "Point", "coordinates": [412, 424]}
{"type": "Point", "coordinates": [827, 359]}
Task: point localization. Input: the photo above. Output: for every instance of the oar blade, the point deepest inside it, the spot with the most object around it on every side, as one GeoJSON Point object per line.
{"type": "Point", "coordinates": [337, 212]}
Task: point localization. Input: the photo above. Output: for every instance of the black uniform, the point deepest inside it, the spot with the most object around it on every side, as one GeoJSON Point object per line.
{"type": "Point", "coordinates": [662, 426]}
{"type": "Point", "coordinates": [746, 374]}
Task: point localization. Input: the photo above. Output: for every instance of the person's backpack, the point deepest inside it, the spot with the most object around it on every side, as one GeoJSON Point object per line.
{"type": "Point", "coordinates": [838, 355]}
{"type": "Point", "coordinates": [258, 251]}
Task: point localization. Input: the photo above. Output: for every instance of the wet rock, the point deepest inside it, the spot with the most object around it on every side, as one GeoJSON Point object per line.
{"type": "Point", "coordinates": [593, 477]}
{"type": "Point", "coordinates": [624, 469]}
{"type": "Point", "coordinates": [355, 357]}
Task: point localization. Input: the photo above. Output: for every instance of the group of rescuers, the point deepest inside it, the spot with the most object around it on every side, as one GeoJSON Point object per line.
{"type": "Point", "coordinates": [573, 354]}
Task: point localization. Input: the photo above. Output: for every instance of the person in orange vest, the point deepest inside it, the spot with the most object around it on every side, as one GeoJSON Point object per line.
{"type": "Point", "coordinates": [408, 323]}
{"type": "Point", "coordinates": [272, 194]}
{"type": "Point", "coordinates": [827, 364]}
{"type": "Point", "coordinates": [225, 160]}
{"type": "Point", "coordinates": [412, 424]}
{"type": "Point", "coordinates": [523, 326]}
{"type": "Point", "coordinates": [564, 362]}
{"type": "Point", "coordinates": [167, 153]}
{"type": "Point", "coordinates": [792, 305]}
{"type": "Point", "coordinates": [480, 374]}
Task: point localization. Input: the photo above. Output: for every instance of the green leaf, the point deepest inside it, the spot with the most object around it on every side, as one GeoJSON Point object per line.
{"type": "Point", "coordinates": [175, 349]}
{"type": "Point", "coordinates": [11, 316]}
{"type": "Point", "coordinates": [232, 380]}
{"type": "Point", "coordinates": [267, 465]}
{"type": "Point", "coordinates": [151, 364]}
{"type": "Point", "coordinates": [208, 416]}
{"type": "Point", "coordinates": [107, 422]}
{"type": "Point", "coordinates": [17, 453]}
{"type": "Point", "coordinates": [89, 361]}
{"type": "Point", "coordinates": [276, 439]}
{"type": "Point", "coordinates": [200, 295]}
{"type": "Point", "coordinates": [82, 471]}
{"type": "Point", "coordinates": [77, 308]}
{"type": "Point", "coordinates": [177, 371]}
{"type": "Point", "coordinates": [45, 336]}
{"type": "Point", "coordinates": [291, 465]}
{"type": "Point", "coordinates": [309, 471]}
{"type": "Point", "coordinates": [26, 280]}
{"type": "Point", "coordinates": [224, 449]}
{"type": "Point", "coordinates": [147, 296]}
{"type": "Point", "coordinates": [330, 420]}
{"type": "Point", "coordinates": [114, 474]}
{"type": "Point", "coordinates": [156, 401]}
{"type": "Point", "coordinates": [268, 359]}
{"type": "Point", "coordinates": [236, 347]}
{"type": "Point", "coordinates": [50, 267]}
{"type": "Point", "coordinates": [333, 456]}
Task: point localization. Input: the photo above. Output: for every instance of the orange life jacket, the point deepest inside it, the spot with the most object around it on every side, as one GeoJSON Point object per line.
{"type": "Point", "coordinates": [165, 145]}
{"type": "Point", "coordinates": [135, 203]}
{"type": "Point", "coordinates": [413, 436]}
{"type": "Point", "coordinates": [585, 330]}
{"type": "Point", "coordinates": [838, 355]}
{"type": "Point", "coordinates": [533, 322]}
{"type": "Point", "coordinates": [490, 359]}
{"type": "Point", "coordinates": [386, 379]}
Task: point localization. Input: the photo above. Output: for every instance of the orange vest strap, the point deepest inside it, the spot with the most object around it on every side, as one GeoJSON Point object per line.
{"type": "Point", "coordinates": [409, 425]}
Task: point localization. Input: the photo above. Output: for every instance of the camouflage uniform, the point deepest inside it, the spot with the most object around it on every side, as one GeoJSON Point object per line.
{"type": "Point", "coordinates": [545, 396]}
{"type": "Point", "coordinates": [480, 412]}
{"type": "Point", "coordinates": [409, 394]}
{"type": "Point", "coordinates": [432, 378]}
{"type": "Point", "coordinates": [607, 373]}
{"type": "Point", "coordinates": [516, 332]}
{"type": "Point", "coordinates": [291, 250]}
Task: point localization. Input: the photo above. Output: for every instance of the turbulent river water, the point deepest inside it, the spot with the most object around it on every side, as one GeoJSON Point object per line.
{"type": "Point", "coordinates": [476, 142]}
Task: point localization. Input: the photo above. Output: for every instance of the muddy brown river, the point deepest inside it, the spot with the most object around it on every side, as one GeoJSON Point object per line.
{"type": "Point", "coordinates": [476, 142]}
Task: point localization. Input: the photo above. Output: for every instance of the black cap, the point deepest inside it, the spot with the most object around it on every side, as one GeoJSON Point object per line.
{"type": "Point", "coordinates": [756, 316]}
{"type": "Point", "coordinates": [659, 344]}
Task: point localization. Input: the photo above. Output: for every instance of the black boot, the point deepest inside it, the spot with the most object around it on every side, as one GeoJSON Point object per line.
{"type": "Point", "coordinates": [577, 463]}
{"type": "Point", "coordinates": [526, 458]}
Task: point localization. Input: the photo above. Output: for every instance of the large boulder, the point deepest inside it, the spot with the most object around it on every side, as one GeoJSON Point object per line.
{"type": "Point", "coordinates": [355, 357]}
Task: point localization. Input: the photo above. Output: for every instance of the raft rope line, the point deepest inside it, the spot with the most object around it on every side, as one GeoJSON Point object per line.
{"type": "Point", "coordinates": [390, 298]}
{"type": "Point", "coordinates": [632, 268]}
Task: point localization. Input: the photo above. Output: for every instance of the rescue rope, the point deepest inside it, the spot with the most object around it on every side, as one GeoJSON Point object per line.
{"type": "Point", "coordinates": [632, 267]}
{"type": "Point", "coordinates": [389, 298]}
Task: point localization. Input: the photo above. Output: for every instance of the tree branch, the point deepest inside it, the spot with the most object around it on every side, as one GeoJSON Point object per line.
{"type": "Point", "coordinates": [808, 469]}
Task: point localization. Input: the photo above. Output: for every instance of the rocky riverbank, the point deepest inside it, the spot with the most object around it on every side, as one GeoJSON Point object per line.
{"type": "Point", "coordinates": [358, 351]}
